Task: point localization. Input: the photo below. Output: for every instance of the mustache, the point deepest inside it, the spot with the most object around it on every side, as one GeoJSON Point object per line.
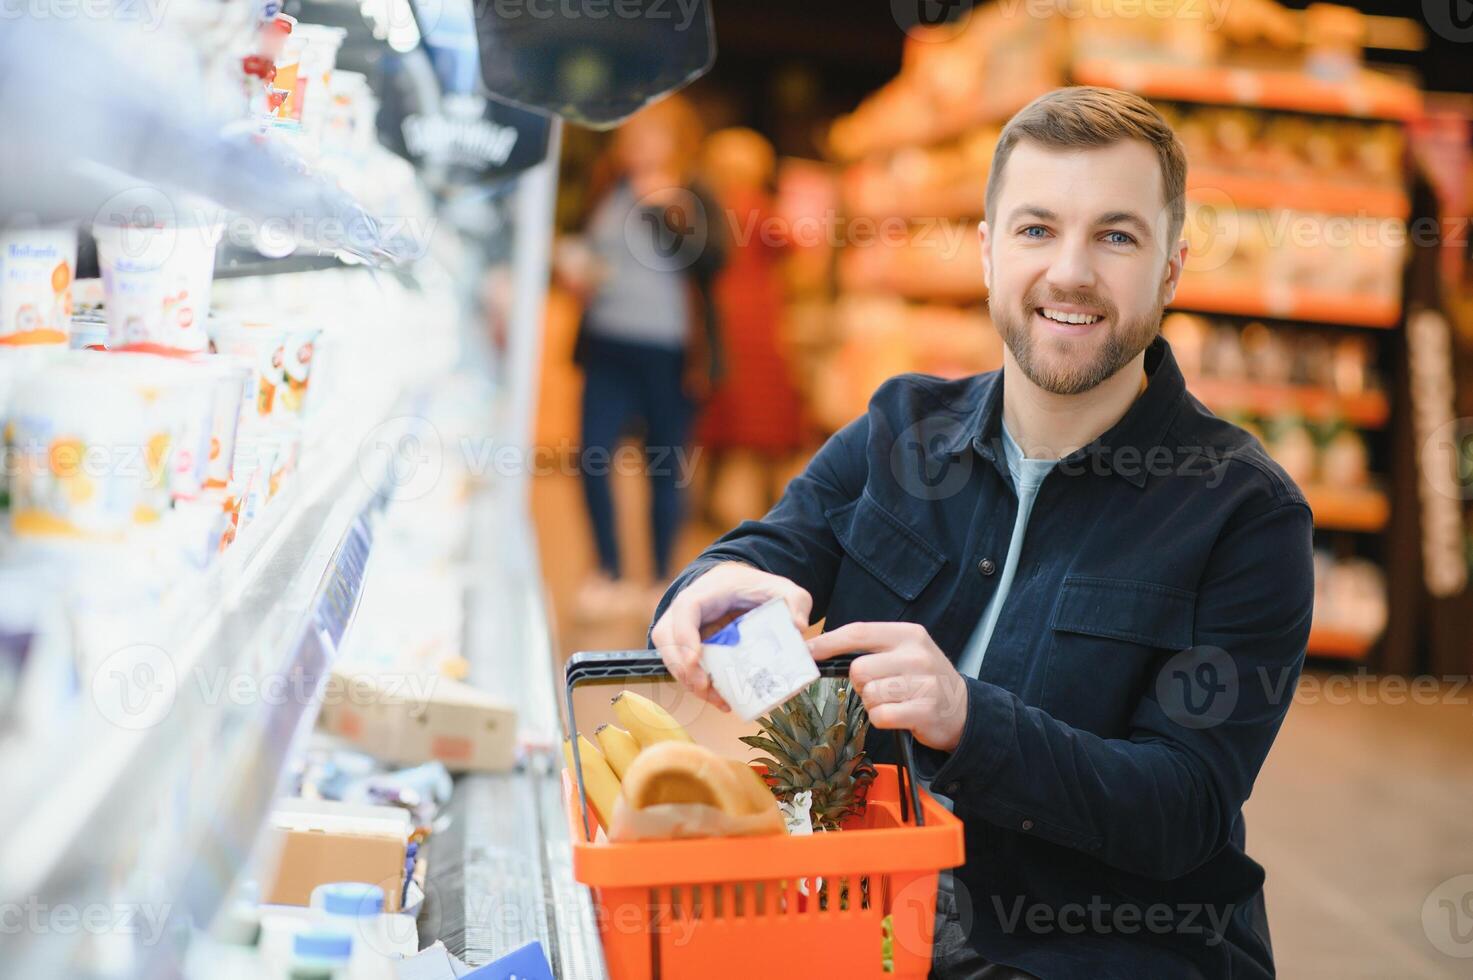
{"type": "Point", "coordinates": [1035, 298]}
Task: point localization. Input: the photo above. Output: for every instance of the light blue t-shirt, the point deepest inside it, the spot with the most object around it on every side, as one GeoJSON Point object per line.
{"type": "Point", "coordinates": [1028, 476]}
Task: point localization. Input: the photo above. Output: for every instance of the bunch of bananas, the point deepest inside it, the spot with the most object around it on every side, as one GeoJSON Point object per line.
{"type": "Point", "coordinates": [652, 760]}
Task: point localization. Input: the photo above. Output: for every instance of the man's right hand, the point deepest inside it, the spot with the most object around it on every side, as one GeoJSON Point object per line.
{"type": "Point", "coordinates": [712, 600]}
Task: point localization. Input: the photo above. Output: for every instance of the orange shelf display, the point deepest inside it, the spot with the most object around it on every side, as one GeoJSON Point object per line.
{"type": "Point", "coordinates": [1372, 96]}
{"type": "Point", "coordinates": [1326, 641]}
{"type": "Point", "coordinates": [1203, 295]}
{"type": "Point", "coordinates": [1341, 509]}
{"type": "Point", "coordinates": [1249, 191]}
{"type": "Point", "coordinates": [1367, 410]}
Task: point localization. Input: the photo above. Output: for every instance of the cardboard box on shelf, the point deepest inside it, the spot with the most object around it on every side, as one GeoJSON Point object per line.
{"type": "Point", "coordinates": [439, 719]}
{"type": "Point", "coordinates": [322, 841]}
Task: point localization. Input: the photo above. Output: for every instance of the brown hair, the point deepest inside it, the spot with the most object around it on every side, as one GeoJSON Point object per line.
{"type": "Point", "coordinates": [1086, 116]}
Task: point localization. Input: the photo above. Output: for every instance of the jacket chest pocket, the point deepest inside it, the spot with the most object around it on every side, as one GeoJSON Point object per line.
{"type": "Point", "coordinates": [886, 563]}
{"type": "Point", "coordinates": [1106, 633]}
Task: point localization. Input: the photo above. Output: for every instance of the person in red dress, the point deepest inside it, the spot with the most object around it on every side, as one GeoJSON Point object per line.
{"type": "Point", "coordinates": [755, 416]}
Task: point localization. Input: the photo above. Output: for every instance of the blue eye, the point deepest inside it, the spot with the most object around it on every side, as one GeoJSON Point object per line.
{"type": "Point", "coordinates": [1028, 232]}
{"type": "Point", "coordinates": [1119, 238]}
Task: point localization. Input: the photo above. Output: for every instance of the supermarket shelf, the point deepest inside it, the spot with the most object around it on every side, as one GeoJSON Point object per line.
{"type": "Point", "coordinates": [508, 839]}
{"type": "Point", "coordinates": [178, 804]}
{"type": "Point", "coordinates": [1199, 294]}
{"type": "Point", "coordinates": [232, 262]}
{"type": "Point", "coordinates": [1368, 410]}
{"type": "Point", "coordinates": [1249, 191]}
{"type": "Point", "coordinates": [1325, 641]}
{"type": "Point", "coordinates": [1340, 509]}
{"type": "Point", "coordinates": [1374, 96]}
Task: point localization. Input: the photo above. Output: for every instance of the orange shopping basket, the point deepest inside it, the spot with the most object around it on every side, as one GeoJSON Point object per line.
{"type": "Point", "coordinates": [736, 908]}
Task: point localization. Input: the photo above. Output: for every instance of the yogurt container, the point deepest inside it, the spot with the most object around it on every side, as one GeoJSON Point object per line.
{"type": "Point", "coordinates": [36, 271]}
{"type": "Point", "coordinates": [157, 279]}
{"type": "Point", "coordinates": [231, 381]}
{"type": "Point", "coordinates": [79, 443]}
{"type": "Point", "coordinates": [312, 92]}
{"type": "Point", "coordinates": [260, 345]}
{"type": "Point", "coordinates": [298, 357]}
{"type": "Point", "coordinates": [179, 395]}
{"type": "Point", "coordinates": [350, 126]}
{"type": "Point", "coordinates": [289, 77]}
{"type": "Point", "coordinates": [280, 357]}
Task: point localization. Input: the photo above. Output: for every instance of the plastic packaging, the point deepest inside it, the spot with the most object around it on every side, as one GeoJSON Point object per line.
{"type": "Point", "coordinates": [759, 660]}
{"type": "Point", "coordinates": [321, 954]}
{"type": "Point", "coordinates": [157, 274]}
{"type": "Point", "coordinates": [280, 357]}
{"type": "Point", "coordinates": [36, 271]}
{"type": "Point", "coordinates": [80, 441]}
{"type": "Point", "coordinates": [357, 908]}
{"type": "Point", "coordinates": [313, 91]}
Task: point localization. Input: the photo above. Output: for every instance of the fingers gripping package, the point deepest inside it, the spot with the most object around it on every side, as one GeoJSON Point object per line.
{"type": "Point", "coordinates": [759, 660]}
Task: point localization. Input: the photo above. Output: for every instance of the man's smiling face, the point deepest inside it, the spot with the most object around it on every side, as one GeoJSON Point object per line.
{"type": "Point", "coordinates": [1079, 260]}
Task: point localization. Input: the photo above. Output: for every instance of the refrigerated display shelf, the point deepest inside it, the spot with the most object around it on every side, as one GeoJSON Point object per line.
{"type": "Point", "coordinates": [502, 875]}
{"type": "Point", "coordinates": [169, 812]}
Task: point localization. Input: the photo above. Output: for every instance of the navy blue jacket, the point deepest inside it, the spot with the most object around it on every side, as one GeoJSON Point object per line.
{"type": "Point", "coordinates": [1136, 678]}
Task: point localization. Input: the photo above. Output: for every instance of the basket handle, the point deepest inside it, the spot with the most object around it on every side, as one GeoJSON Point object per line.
{"type": "Point", "coordinates": [600, 665]}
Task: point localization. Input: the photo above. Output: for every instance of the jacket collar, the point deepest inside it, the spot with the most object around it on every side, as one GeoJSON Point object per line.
{"type": "Point", "coordinates": [1140, 429]}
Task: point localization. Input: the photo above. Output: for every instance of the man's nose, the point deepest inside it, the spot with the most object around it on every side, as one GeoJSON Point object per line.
{"type": "Point", "coordinates": [1072, 267]}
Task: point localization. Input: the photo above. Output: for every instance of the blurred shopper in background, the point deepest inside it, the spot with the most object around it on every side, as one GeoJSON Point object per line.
{"type": "Point", "coordinates": [648, 342]}
{"type": "Point", "coordinates": [754, 420]}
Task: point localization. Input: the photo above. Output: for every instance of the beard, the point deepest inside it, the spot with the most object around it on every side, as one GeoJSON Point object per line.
{"type": "Point", "coordinates": [1070, 372]}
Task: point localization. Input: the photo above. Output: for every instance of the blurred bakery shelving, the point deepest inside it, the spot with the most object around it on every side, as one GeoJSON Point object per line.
{"type": "Point", "coordinates": [1289, 315]}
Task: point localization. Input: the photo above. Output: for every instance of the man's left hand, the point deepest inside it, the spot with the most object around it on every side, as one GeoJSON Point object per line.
{"type": "Point", "coordinates": [903, 678]}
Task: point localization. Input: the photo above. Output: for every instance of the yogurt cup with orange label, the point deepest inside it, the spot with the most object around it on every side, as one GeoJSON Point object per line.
{"type": "Point", "coordinates": [298, 355]}
{"type": "Point", "coordinates": [36, 271]}
{"type": "Point", "coordinates": [231, 380]}
{"type": "Point", "coordinates": [157, 271]}
{"type": "Point", "coordinates": [79, 444]}
{"type": "Point", "coordinates": [260, 345]}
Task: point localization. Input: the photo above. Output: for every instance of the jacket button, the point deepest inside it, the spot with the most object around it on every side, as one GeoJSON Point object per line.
{"type": "Point", "coordinates": [1027, 824]}
{"type": "Point", "coordinates": [950, 789]}
{"type": "Point", "coordinates": [987, 566]}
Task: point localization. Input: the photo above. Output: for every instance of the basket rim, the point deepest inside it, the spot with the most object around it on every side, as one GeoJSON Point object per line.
{"type": "Point", "coordinates": [858, 851]}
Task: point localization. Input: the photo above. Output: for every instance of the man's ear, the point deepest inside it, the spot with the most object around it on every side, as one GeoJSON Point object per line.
{"type": "Point", "coordinates": [1175, 262]}
{"type": "Point", "coordinates": [987, 255]}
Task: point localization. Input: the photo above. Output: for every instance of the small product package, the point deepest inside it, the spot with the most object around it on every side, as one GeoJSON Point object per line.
{"type": "Point", "coordinates": [759, 660]}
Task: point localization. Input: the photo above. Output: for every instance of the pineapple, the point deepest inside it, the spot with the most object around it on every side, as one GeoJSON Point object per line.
{"type": "Point", "coordinates": [815, 741]}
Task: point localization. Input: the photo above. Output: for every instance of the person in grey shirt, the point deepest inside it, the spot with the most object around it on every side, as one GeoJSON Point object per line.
{"type": "Point", "coordinates": [648, 341]}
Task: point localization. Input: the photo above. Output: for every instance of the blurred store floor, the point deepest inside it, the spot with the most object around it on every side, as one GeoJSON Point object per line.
{"type": "Point", "coordinates": [1363, 809]}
